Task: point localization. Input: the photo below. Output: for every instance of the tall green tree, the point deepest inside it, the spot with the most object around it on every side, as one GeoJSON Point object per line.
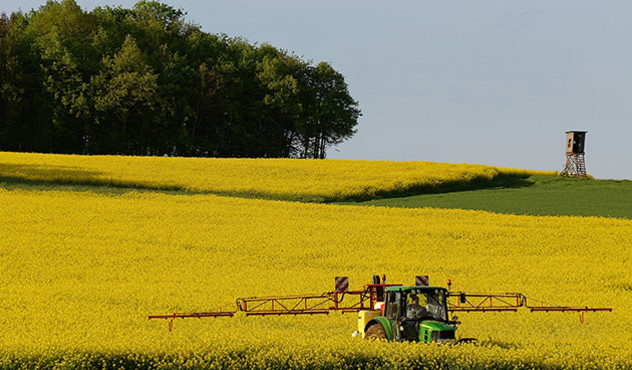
{"type": "Point", "coordinates": [126, 88]}
{"type": "Point", "coordinates": [62, 34]}
{"type": "Point", "coordinates": [11, 83]}
{"type": "Point", "coordinates": [330, 113]}
{"type": "Point", "coordinates": [278, 73]}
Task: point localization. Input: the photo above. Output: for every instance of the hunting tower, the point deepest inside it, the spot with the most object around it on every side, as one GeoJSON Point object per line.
{"type": "Point", "coordinates": [575, 165]}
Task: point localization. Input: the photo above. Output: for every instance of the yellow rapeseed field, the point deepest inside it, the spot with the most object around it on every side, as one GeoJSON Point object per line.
{"type": "Point", "coordinates": [80, 272]}
{"type": "Point", "coordinates": [296, 179]}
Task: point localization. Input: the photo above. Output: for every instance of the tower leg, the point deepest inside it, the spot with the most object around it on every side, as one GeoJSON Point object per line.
{"type": "Point", "coordinates": [575, 166]}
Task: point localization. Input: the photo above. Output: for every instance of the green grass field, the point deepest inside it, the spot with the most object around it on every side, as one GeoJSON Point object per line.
{"type": "Point", "coordinates": [536, 195]}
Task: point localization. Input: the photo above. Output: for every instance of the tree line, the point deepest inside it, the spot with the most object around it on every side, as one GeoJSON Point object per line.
{"type": "Point", "coordinates": [144, 81]}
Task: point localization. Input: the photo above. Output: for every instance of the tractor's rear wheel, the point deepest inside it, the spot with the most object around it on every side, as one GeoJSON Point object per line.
{"type": "Point", "coordinates": [375, 332]}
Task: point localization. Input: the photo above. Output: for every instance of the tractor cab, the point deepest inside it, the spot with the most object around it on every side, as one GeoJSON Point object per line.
{"type": "Point", "coordinates": [417, 314]}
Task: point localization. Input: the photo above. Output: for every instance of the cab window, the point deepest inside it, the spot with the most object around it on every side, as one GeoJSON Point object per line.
{"type": "Point", "coordinates": [392, 306]}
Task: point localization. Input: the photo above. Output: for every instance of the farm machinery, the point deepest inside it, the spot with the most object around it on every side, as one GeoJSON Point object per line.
{"type": "Point", "coordinates": [393, 312]}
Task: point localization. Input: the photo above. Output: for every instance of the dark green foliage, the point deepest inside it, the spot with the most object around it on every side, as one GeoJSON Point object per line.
{"type": "Point", "coordinates": [143, 81]}
{"type": "Point", "coordinates": [537, 195]}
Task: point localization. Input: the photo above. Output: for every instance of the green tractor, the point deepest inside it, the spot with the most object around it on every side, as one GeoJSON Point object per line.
{"type": "Point", "coordinates": [414, 314]}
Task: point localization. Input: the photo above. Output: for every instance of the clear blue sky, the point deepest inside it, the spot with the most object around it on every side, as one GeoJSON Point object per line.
{"type": "Point", "coordinates": [489, 82]}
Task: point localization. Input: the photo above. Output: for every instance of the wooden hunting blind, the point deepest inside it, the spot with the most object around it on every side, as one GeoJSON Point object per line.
{"type": "Point", "coordinates": [575, 142]}
{"type": "Point", "coordinates": [575, 163]}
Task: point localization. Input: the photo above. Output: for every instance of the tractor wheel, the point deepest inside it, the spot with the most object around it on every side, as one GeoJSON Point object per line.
{"type": "Point", "coordinates": [375, 332]}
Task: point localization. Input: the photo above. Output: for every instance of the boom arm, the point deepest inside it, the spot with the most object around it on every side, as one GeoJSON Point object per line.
{"type": "Point", "coordinates": [503, 302]}
{"type": "Point", "coordinates": [310, 304]}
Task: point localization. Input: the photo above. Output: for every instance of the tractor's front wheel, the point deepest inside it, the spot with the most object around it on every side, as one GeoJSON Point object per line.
{"type": "Point", "coordinates": [375, 332]}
